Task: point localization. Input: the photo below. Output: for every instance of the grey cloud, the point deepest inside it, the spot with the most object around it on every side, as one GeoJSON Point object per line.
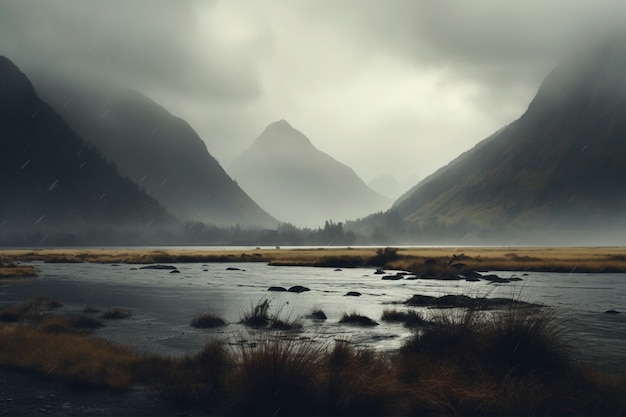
{"type": "Point", "coordinates": [501, 46]}
{"type": "Point", "coordinates": [148, 44]}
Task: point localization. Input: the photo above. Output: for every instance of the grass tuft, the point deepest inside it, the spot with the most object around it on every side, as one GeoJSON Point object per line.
{"type": "Point", "coordinates": [410, 318]}
{"type": "Point", "coordinates": [258, 315]}
{"type": "Point", "coordinates": [206, 320]}
{"type": "Point", "coordinates": [354, 318]}
{"type": "Point", "coordinates": [115, 314]}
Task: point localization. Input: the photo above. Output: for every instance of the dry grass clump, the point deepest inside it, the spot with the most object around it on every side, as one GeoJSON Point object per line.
{"type": "Point", "coordinates": [30, 310]}
{"type": "Point", "coordinates": [317, 314]}
{"type": "Point", "coordinates": [12, 270]}
{"type": "Point", "coordinates": [115, 313]}
{"type": "Point", "coordinates": [258, 316]}
{"type": "Point", "coordinates": [206, 320]}
{"type": "Point", "coordinates": [357, 319]}
{"type": "Point", "coordinates": [411, 318]}
{"type": "Point", "coordinates": [55, 350]}
{"type": "Point", "coordinates": [275, 377]}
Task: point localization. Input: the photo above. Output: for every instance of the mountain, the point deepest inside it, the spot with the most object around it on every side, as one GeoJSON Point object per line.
{"type": "Point", "coordinates": [158, 151]}
{"type": "Point", "coordinates": [54, 183]}
{"type": "Point", "coordinates": [297, 183]}
{"type": "Point", "coordinates": [555, 174]}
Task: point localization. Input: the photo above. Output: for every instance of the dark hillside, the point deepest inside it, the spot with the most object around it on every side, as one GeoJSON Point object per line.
{"type": "Point", "coordinates": [51, 180]}
{"type": "Point", "coordinates": [556, 172]}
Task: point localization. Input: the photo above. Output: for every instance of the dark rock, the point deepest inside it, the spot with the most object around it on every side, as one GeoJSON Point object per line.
{"type": "Point", "coordinates": [495, 279]}
{"type": "Point", "coordinates": [158, 266]}
{"type": "Point", "coordinates": [393, 277]}
{"type": "Point", "coordinates": [612, 312]}
{"type": "Point", "coordinates": [379, 272]}
{"type": "Point", "coordinates": [338, 270]}
{"type": "Point", "coordinates": [419, 300]}
{"type": "Point", "coordinates": [232, 268]}
{"type": "Point", "coordinates": [317, 315]}
{"type": "Point", "coordinates": [448, 301]}
{"type": "Point", "coordinates": [298, 289]}
{"type": "Point", "coordinates": [278, 289]}
{"type": "Point", "coordinates": [175, 271]}
{"type": "Point", "coordinates": [352, 294]}
{"type": "Point", "coordinates": [471, 275]}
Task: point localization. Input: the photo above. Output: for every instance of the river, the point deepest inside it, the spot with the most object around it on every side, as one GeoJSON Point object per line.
{"type": "Point", "coordinates": [163, 304]}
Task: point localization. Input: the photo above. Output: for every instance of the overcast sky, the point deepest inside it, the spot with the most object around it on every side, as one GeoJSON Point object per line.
{"type": "Point", "coordinates": [394, 86]}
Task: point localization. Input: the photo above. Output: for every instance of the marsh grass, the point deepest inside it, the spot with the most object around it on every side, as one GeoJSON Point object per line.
{"type": "Point", "coordinates": [258, 316]}
{"type": "Point", "coordinates": [515, 361]}
{"type": "Point", "coordinates": [410, 318]}
{"type": "Point", "coordinates": [317, 314]}
{"type": "Point", "coordinates": [66, 355]}
{"type": "Point", "coordinates": [571, 259]}
{"type": "Point", "coordinates": [30, 310]}
{"type": "Point", "coordinates": [275, 377]}
{"type": "Point", "coordinates": [357, 319]}
{"type": "Point", "coordinates": [206, 320]}
{"type": "Point", "coordinates": [10, 270]}
{"type": "Point", "coordinates": [115, 313]}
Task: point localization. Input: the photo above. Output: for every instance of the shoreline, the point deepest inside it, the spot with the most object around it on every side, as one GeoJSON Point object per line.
{"type": "Point", "coordinates": [418, 259]}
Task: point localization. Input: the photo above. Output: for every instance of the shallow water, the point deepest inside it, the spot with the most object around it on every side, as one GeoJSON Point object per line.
{"type": "Point", "coordinates": [163, 304]}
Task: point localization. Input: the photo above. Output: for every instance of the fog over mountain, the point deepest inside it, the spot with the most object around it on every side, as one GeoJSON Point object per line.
{"type": "Point", "coordinates": [557, 174]}
{"type": "Point", "coordinates": [55, 186]}
{"type": "Point", "coordinates": [415, 81]}
{"type": "Point", "coordinates": [157, 150]}
{"type": "Point", "coordinates": [298, 183]}
{"type": "Point", "coordinates": [390, 186]}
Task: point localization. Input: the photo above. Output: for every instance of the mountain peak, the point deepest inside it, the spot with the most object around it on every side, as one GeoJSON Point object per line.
{"type": "Point", "coordinates": [282, 134]}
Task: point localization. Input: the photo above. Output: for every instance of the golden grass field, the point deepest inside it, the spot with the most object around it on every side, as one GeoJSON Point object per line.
{"type": "Point", "coordinates": [558, 259]}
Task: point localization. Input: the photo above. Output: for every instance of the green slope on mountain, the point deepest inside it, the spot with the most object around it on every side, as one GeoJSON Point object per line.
{"type": "Point", "coordinates": [558, 170]}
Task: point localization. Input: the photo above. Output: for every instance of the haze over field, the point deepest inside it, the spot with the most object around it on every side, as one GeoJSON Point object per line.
{"type": "Point", "coordinates": [394, 87]}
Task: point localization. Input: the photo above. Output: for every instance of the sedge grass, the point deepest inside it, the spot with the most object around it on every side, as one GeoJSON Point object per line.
{"type": "Point", "coordinates": [207, 320]}
{"type": "Point", "coordinates": [464, 362]}
{"type": "Point", "coordinates": [558, 259]}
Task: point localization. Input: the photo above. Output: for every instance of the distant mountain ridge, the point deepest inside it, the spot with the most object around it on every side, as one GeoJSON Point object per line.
{"type": "Point", "coordinates": [556, 171]}
{"type": "Point", "coordinates": [157, 150]}
{"type": "Point", "coordinates": [54, 183]}
{"type": "Point", "coordinates": [297, 183]}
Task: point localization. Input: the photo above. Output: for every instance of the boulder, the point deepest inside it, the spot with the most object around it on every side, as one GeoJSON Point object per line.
{"type": "Point", "coordinates": [298, 289]}
{"type": "Point", "coordinates": [352, 294]}
{"type": "Point", "coordinates": [277, 289]}
{"type": "Point", "coordinates": [158, 266]}
{"type": "Point", "coordinates": [393, 277]}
